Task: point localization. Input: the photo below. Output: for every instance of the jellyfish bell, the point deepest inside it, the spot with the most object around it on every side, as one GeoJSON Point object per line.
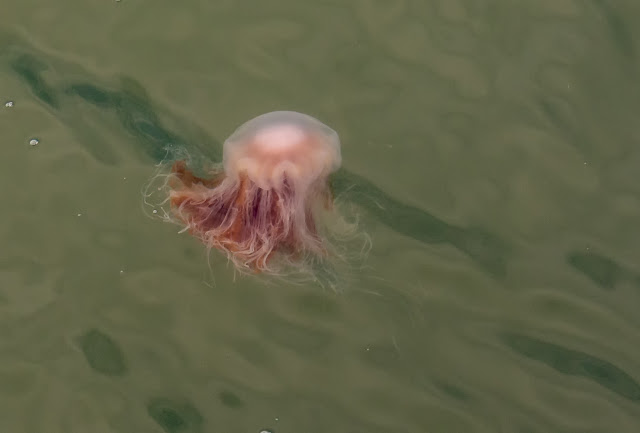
{"type": "Point", "coordinates": [263, 205]}
{"type": "Point", "coordinates": [282, 145]}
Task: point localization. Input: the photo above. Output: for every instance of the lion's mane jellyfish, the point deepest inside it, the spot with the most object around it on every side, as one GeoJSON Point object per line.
{"type": "Point", "coordinates": [261, 205]}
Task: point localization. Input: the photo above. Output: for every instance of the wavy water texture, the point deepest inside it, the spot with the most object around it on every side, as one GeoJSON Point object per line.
{"type": "Point", "coordinates": [490, 149]}
{"type": "Point", "coordinates": [136, 115]}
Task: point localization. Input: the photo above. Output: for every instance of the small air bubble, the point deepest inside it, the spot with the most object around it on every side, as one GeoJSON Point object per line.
{"type": "Point", "coordinates": [8, 104]}
{"type": "Point", "coordinates": [34, 141]}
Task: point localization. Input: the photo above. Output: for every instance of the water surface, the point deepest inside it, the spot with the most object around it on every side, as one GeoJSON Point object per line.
{"type": "Point", "coordinates": [490, 149]}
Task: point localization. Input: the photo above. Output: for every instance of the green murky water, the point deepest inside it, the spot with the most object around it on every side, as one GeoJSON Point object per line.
{"type": "Point", "coordinates": [490, 148]}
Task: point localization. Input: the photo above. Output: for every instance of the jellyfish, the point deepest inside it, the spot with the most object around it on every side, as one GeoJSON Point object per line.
{"type": "Point", "coordinates": [261, 206]}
